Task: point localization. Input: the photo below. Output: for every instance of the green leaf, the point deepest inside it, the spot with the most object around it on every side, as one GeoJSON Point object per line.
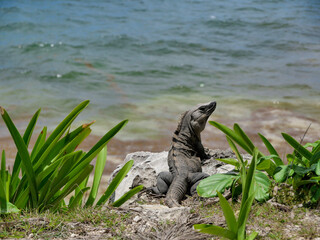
{"type": "Point", "coordinates": [230, 161]}
{"type": "Point", "coordinates": [318, 168]}
{"type": "Point", "coordinates": [76, 202]}
{"type": "Point", "coordinates": [214, 230]}
{"type": "Point", "coordinates": [315, 158]}
{"type": "Point", "coordinates": [3, 197]}
{"type": "Point", "coordinates": [41, 157]}
{"type": "Point", "coordinates": [39, 143]}
{"type": "Point", "coordinates": [278, 161]}
{"type": "Point", "coordinates": [100, 163]}
{"type": "Point", "coordinates": [297, 146]}
{"type": "Point", "coordinates": [316, 196]}
{"type": "Point", "coordinates": [209, 186]}
{"type": "Point", "coordinates": [281, 173]}
{"type": "Point", "coordinates": [3, 173]}
{"type": "Point", "coordinates": [9, 209]}
{"type": "Point", "coordinates": [301, 170]}
{"type": "Point", "coordinates": [24, 155]}
{"type": "Point", "coordinates": [231, 134]}
{"type": "Point", "coordinates": [250, 176]}
{"type": "Point", "coordinates": [236, 151]}
{"type": "Point", "coordinates": [125, 197]}
{"type": "Point", "coordinates": [252, 236]}
{"type": "Point", "coordinates": [243, 215]}
{"type": "Point", "coordinates": [72, 184]}
{"type": "Point", "coordinates": [228, 214]}
{"type": "Point", "coordinates": [244, 137]}
{"type": "Point", "coordinates": [261, 186]}
{"type": "Point", "coordinates": [115, 182]}
{"type": "Point", "coordinates": [26, 138]}
{"type": "Point", "coordinates": [86, 159]}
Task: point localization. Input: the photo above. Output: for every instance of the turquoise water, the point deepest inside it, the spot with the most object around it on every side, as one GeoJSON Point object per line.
{"type": "Point", "coordinates": [151, 60]}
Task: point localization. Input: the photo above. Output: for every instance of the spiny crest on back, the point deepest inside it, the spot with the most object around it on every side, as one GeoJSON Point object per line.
{"type": "Point", "coordinates": [180, 123]}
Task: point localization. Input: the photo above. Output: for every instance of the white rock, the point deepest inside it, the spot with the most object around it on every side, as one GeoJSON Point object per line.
{"type": "Point", "coordinates": [148, 165]}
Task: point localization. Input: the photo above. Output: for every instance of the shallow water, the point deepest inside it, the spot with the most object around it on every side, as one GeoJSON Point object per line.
{"type": "Point", "coordinates": [149, 61]}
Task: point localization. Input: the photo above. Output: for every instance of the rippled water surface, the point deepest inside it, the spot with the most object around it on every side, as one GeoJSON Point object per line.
{"type": "Point", "coordinates": [151, 60]}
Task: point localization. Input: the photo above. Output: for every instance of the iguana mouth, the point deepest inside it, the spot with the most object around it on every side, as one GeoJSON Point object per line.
{"type": "Point", "coordinates": [212, 107]}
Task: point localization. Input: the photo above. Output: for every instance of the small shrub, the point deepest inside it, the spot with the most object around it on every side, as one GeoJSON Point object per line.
{"type": "Point", "coordinates": [54, 169]}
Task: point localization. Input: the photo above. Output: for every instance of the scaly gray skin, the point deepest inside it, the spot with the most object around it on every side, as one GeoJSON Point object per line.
{"type": "Point", "coordinates": [185, 156]}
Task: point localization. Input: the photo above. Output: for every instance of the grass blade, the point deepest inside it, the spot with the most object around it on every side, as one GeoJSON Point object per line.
{"type": "Point", "coordinates": [76, 202]}
{"type": "Point", "coordinates": [228, 214]}
{"type": "Point", "coordinates": [87, 158]}
{"type": "Point", "coordinates": [125, 197]}
{"type": "Point", "coordinates": [234, 136]}
{"type": "Point", "coordinates": [72, 184]}
{"type": "Point", "coordinates": [40, 158]}
{"type": "Point", "coordinates": [278, 161]}
{"type": "Point", "coordinates": [24, 154]}
{"type": "Point", "coordinates": [3, 172]}
{"type": "Point", "coordinates": [100, 163]}
{"type": "Point", "coordinates": [243, 216]}
{"type": "Point", "coordinates": [238, 130]}
{"type": "Point", "coordinates": [115, 182]}
{"type": "Point", "coordinates": [297, 146]}
{"type": "Point", "coordinates": [214, 230]}
{"type": "Point", "coordinates": [3, 197]}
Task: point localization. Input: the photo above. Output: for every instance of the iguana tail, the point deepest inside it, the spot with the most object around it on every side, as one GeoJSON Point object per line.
{"type": "Point", "coordinates": [177, 191]}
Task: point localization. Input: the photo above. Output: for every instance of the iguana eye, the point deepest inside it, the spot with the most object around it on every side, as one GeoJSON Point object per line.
{"type": "Point", "coordinates": [202, 108]}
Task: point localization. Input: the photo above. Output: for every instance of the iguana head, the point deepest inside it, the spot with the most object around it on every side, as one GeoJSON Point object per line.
{"type": "Point", "coordinates": [196, 118]}
{"type": "Point", "coordinates": [200, 114]}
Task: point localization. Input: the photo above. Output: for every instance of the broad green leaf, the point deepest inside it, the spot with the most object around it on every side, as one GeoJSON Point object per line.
{"type": "Point", "coordinates": [24, 155]}
{"type": "Point", "coordinates": [281, 173]}
{"type": "Point", "coordinates": [297, 146]}
{"type": "Point", "coordinates": [214, 230]}
{"type": "Point", "coordinates": [115, 182]}
{"type": "Point", "coordinates": [125, 197]}
{"type": "Point", "coordinates": [209, 186]}
{"type": "Point", "coordinates": [100, 163]}
{"type": "Point", "coordinates": [228, 214]}
{"type": "Point", "coordinates": [244, 137]}
{"type": "Point", "coordinates": [234, 136]}
{"type": "Point", "coordinates": [261, 186]}
{"type": "Point", "coordinates": [266, 164]}
{"type": "Point", "coordinates": [278, 161]}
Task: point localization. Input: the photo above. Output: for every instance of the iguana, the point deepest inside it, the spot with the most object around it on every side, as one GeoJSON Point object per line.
{"type": "Point", "coordinates": [185, 156]}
